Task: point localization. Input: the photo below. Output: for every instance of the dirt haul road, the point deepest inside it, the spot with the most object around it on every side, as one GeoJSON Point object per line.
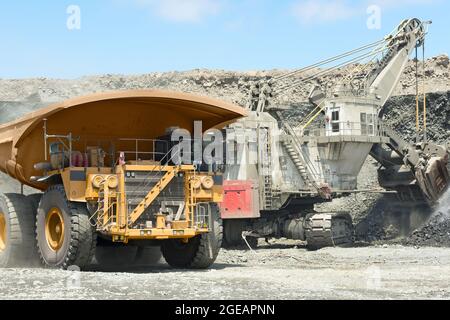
{"type": "Point", "coordinates": [280, 271]}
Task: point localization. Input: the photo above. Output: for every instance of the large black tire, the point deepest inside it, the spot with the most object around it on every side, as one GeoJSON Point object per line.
{"type": "Point", "coordinates": [17, 223]}
{"type": "Point", "coordinates": [78, 240]}
{"type": "Point", "coordinates": [199, 252]}
{"type": "Point", "coordinates": [232, 234]}
{"type": "Point", "coordinates": [35, 199]}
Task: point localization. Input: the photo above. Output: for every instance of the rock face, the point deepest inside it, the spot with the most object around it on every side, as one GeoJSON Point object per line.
{"type": "Point", "coordinates": [371, 212]}
{"type": "Point", "coordinates": [226, 85]}
{"type": "Point", "coordinates": [399, 113]}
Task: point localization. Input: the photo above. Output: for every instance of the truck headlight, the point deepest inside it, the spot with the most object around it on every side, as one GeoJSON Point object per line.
{"type": "Point", "coordinates": [97, 181]}
{"type": "Point", "coordinates": [113, 182]}
{"type": "Point", "coordinates": [207, 182]}
{"type": "Point", "coordinates": [196, 182]}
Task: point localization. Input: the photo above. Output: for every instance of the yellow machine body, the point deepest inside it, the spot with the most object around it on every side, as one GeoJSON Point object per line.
{"type": "Point", "coordinates": [112, 218]}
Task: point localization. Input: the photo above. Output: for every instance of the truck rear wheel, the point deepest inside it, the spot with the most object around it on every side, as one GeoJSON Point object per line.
{"type": "Point", "coordinates": [64, 234]}
{"type": "Point", "coordinates": [199, 252]}
{"type": "Point", "coordinates": [17, 223]}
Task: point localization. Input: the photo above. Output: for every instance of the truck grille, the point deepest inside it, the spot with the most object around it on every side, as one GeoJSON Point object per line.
{"type": "Point", "coordinates": [139, 183]}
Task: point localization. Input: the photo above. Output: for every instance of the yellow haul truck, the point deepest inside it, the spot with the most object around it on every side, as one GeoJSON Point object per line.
{"type": "Point", "coordinates": [110, 186]}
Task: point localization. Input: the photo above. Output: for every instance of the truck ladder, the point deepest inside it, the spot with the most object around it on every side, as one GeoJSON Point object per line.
{"type": "Point", "coordinates": [267, 170]}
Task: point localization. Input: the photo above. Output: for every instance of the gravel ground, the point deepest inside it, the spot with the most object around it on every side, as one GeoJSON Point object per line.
{"type": "Point", "coordinates": [282, 270]}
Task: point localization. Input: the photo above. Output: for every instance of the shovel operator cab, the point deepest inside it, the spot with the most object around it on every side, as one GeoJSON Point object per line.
{"type": "Point", "coordinates": [111, 187]}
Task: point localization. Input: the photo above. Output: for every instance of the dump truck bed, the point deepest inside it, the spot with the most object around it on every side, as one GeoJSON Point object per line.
{"type": "Point", "coordinates": [113, 115]}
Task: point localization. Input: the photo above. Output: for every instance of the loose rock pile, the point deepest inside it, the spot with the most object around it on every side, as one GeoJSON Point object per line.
{"type": "Point", "coordinates": [436, 232]}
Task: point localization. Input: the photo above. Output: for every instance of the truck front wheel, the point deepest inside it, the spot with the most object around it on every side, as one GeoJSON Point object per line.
{"type": "Point", "coordinates": [199, 252]}
{"type": "Point", "coordinates": [64, 234]}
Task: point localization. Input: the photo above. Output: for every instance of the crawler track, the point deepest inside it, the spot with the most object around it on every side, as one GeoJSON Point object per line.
{"type": "Point", "coordinates": [328, 230]}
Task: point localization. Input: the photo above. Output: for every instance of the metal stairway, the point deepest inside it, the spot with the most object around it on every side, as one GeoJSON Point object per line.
{"type": "Point", "coordinates": [102, 219]}
{"type": "Point", "coordinates": [265, 168]}
{"type": "Point", "coordinates": [301, 161]}
{"type": "Point", "coordinates": [293, 154]}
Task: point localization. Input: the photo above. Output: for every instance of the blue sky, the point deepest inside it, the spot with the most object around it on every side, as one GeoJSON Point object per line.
{"type": "Point", "coordinates": [141, 36]}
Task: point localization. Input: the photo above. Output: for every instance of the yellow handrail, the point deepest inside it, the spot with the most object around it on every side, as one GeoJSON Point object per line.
{"type": "Point", "coordinates": [311, 113]}
{"type": "Point", "coordinates": [315, 116]}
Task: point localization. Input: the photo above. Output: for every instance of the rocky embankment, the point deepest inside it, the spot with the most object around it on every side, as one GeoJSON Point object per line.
{"type": "Point", "coordinates": [28, 94]}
